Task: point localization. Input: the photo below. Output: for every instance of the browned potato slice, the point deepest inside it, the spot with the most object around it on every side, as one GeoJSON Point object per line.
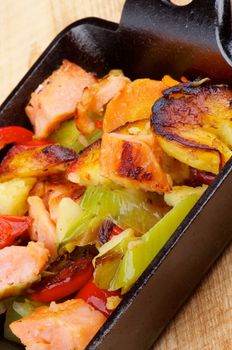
{"type": "Point", "coordinates": [25, 161]}
{"type": "Point", "coordinates": [193, 124]}
{"type": "Point", "coordinates": [86, 169]}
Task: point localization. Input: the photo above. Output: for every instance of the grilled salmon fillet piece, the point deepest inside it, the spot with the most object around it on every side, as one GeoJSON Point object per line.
{"type": "Point", "coordinates": [96, 98]}
{"type": "Point", "coordinates": [134, 161]}
{"type": "Point", "coordinates": [20, 267]}
{"type": "Point", "coordinates": [52, 189]}
{"type": "Point", "coordinates": [56, 98]}
{"type": "Point", "coordinates": [43, 228]}
{"type": "Point", "coordinates": [67, 326]}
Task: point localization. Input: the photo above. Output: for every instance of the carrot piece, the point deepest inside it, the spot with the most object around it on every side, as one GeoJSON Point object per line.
{"type": "Point", "coordinates": [169, 81]}
{"type": "Point", "coordinates": [133, 103]}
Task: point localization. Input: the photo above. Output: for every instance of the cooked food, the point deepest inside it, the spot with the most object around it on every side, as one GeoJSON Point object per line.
{"type": "Point", "coordinates": [56, 98]}
{"type": "Point", "coordinates": [193, 124]}
{"type": "Point", "coordinates": [68, 325]}
{"type": "Point", "coordinates": [134, 163]}
{"type": "Point", "coordinates": [20, 267]}
{"type": "Point", "coordinates": [133, 103]}
{"type": "Point", "coordinates": [89, 199]}
{"type": "Point", "coordinates": [95, 98]}
{"type": "Point", "coordinates": [43, 228]}
{"type": "Point", "coordinates": [35, 160]}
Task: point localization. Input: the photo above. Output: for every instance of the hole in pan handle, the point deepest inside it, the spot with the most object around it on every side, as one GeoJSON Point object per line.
{"type": "Point", "coordinates": [194, 39]}
{"type": "Point", "coordinates": [177, 2]}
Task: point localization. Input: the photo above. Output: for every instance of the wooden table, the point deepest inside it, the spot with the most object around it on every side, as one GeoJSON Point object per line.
{"type": "Point", "coordinates": [26, 28]}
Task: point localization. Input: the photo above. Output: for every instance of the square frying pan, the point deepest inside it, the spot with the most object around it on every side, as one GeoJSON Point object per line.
{"type": "Point", "coordinates": [153, 38]}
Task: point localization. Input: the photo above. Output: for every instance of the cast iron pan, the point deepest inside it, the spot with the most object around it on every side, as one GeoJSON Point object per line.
{"type": "Point", "coordinates": [153, 38]}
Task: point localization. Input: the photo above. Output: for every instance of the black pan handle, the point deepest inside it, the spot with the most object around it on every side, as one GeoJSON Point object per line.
{"type": "Point", "coordinates": [192, 39]}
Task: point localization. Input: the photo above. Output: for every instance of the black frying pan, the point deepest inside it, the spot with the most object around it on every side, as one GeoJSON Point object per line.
{"type": "Point", "coordinates": [153, 38]}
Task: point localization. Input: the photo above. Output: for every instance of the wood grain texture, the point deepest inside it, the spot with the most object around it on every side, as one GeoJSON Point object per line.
{"type": "Point", "coordinates": [26, 28]}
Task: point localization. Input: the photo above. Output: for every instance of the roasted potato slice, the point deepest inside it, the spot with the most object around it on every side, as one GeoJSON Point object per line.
{"type": "Point", "coordinates": [193, 124]}
{"type": "Point", "coordinates": [28, 161]}
{"type": "Point", "coordinates": [86, 169]}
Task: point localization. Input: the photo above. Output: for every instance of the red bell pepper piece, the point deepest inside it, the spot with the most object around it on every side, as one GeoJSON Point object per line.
{"type": "Point", "coordinates": [116, 231]}
{"type": "Point", "coordinates": [96, 297]}
{"type": "Point", "coordinates": [99, 124]}
{"type": "Point", "coordinates": [203, 177]}
{"type": "Point", "coordinates": [63, 283]}
{"type": "Point", "coordinates": [12, 227]}
{"type": "Point", "coordinates": [36, 143]}
{"type": "Point", "coordinates": [14, 134]}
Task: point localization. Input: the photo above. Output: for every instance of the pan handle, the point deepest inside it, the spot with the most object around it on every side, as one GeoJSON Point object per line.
{"type": "Point", "coordinates": [197, 35]}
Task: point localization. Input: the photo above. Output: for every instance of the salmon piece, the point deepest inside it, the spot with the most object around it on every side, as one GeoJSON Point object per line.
{"type": "Point", "coordinates": [43, 228]}
{"type": "Point", "coordinates": [66, 326]}
{"type": "Point", "coordinates": [20, 267]}
{"type": "Point", "coordinates": [96, 98]}
{"type": "Point", "coordinates": [56, 98]}
{"type": "Point", "coordinates": [53, 189]}
{"type": "Point", "coordinates": [135, 162]}
{"type": "Point", "coordinates": [133, 103]}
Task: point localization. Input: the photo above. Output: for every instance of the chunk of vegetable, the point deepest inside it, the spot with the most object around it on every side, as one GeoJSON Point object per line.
{"type": "Point", "coordinates": [14, 134]}
{"type": "Point", "coordinates": [123, 272]}
{"type": "Point", "coordinates": [191, 121]}
{"type": "Point", "coordinates": [134, 102]}
{"type": "Point", "coordinates": [86, 169]}
{"type": "Point", "coordinates": [67, 135]}
{"type": "Point", "coordinates": [68, 280]}
{"type": "Point", "coordinates": [107, 262]}
{"type": "Point", "coordinates": [101, 299]}
{"type": "Point", "coordinates": [130, 208]}
{"type": "Point", "coordinates": [68, 213]}
{"type": "Point", "coordinates": [179, 193]}
{"type": "Point", "coordinates": [13, 196]}
{"type": "Point", "coordinates": [11, 227]}
{"type": "Point", "coordinates": [29, 160]}
{"type": "Point", "coordinates": [83, 231]}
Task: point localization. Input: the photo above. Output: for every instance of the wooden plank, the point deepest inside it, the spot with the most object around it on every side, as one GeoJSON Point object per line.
{"type": "Point", "coordinates": [26, 28]}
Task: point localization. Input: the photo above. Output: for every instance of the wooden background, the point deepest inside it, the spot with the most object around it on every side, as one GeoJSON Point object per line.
{"type": "Point", "coordinates": [26, 28]}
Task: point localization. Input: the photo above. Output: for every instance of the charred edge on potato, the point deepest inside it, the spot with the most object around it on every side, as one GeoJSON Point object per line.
{"type": "Point", "coordinates": [130, 124]}
{"type": "Point", "coordinates": [87, 149]}
{"type": "Point", "coordinates": [191, 88]}
{"type": "Point", "coordinates": [170, 114]}
{"type": "Point", "coordinates": [56, 154]}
